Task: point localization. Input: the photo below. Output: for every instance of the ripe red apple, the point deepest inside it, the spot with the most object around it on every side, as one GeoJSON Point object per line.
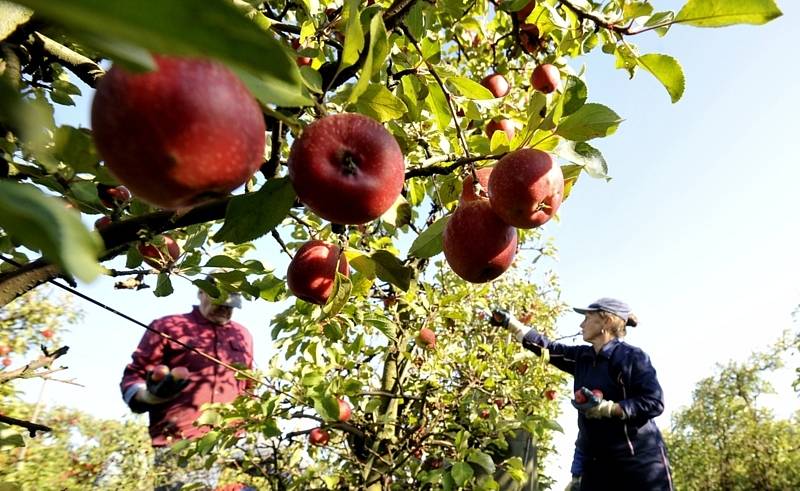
{"type": "Point", "coordinates": [160, 256]}
{"type": "Point", "coordinates": [347, 168]}
{"type": "Point", "coordinates": [477, 245]}
{"type": "Point", "coordinates": [526, 188]}
{"type": "Point", "coordinates": [468, 190]}
{"type": "Point", "coordinates": [111, 196]}
{"type": "Point", "coordinates": [312, 271]}
{"type": "Point", "coordinates": [158, 373]}
{"type": "Point", "coordinates": [500, 403]}
{"type": "Point", "coordinates": [102, 222]}
{"type": "Point", "coordinates": [550, 394]}
{"type": "Point", "coordinates": [185, 133]}
{"type": "Point", "coordinates": [47, 333]}
{"type": "Point", "coordinates": [344, 410]}
{"type": "Point", "coordinates": [318, 436]}
{"type": "Point", "coordinates": [500, 125]}
{"type": "Point", "coordinates": [180, 373]}
{"type": "Point", "coordinates": [497, 84]}
{"type": "Point", "coordinates": [546, 78]}
{"type": "Point", "coordinates": [529, 38]}
{"type": "Point", "coordinates": [525, 11]}
{"type": "Point", "coordinates": [4, 349]}
{"type": "Point", "coordinates": [301, 60]}
{"type": "Point", "coordinates": [597, 393]}
{"type": "Point", "coordinates": [485, 413]}
{"type": "Point", "coordinates": [6, 361]}
{"type": "Point", "coordinates": [426, 338]}
{"type": "Point", "coordinates": [580, 397]}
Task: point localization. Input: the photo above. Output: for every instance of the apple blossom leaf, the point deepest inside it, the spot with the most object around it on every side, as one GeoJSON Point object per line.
{"type": "Point", "coordinates": [589, 158]}
{"type": "Point", "coordinates": [353, 37]}
{"type": "Point", "coordinates": [11, 17]}
{"type": "Point", "coordinates": [590, 121]}
{"type": "Point", "coordinates": [575, 94]}
{"type": "Point", "coordinates": [437, 102]}
{"type": "Point", "coordinates": [470, 88]}
{"type": "Point", "coordinates": [339, 296]}
{"type": "Point", "coordinates": [667, 70]}
{"type": "Point", "coordinates": [251, 215]}
{"type": "Point", "coordinates": [719, 13]}
{"type": "Point", "coordinates": [375, 56]}
{"type": "Point", "coordinates": [390, 269]}
{"type": "Point", "coordinates": [218, 30]}
{"type": "Point", "coordinates": [379, 103]}
{"type": "Point", "coordinates": [163, 286]}
{"type": "Point", "coordinates": [461, 472]}
{"type": "Point", "coordinates": [482, 459]}
{"type": "Point", "coordinates": [42, 223]}
{"type": "Point", "coordinates": [429, 242]}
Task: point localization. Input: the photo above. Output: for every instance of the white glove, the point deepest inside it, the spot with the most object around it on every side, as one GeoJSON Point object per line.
{"type": "Point", "coordinates": [605, 409]}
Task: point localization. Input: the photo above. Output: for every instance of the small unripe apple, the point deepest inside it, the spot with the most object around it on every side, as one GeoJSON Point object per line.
{"type": "Point", "coordinates": [497, 84]}
{"type": "Point", "coordinates": [347, 168]}
{"type": "Point", "coordinates": [546, 78]}
{"type": "Point", "coordinates": [159, 372]}
{"type": "Point", "coordinates": [6, 361]}
{"type": "Point", "coordinates": [47, 333]}
{"type": "Point", "coordinates": [477, 244]}
{"type": "Point", "coordinates": [312, 271]}
{"type": "Point", "coordinates": [185, 133]}
{"type": "Point", "coordinates": [426, 338]}
{"type": "Point", "coordinates": [526, 188]}
{"type": "Point", "coordinates": [160, 256]}
{"type": "Point", "coordinates": [500, 125]}
{"type": "Point", "coordinates": [468, 189]}
{"type": "Point", "coordinates": [529, 38]}
{"type": "Point", "coordinates": [180, 373]}
{"type": "Point", "coordinates": [550, 394]}
{"type": "Point", "coordinates": [319, 437]}
{"type": "Point", "coordinates": [344, 410]}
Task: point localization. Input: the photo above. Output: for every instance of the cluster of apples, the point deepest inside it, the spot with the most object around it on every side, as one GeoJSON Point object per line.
{"type": "Point", "coordinates": [320, 436]}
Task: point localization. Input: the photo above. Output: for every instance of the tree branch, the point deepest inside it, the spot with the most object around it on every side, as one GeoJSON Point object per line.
{"type": "Point", "coordinates": [84, 68]}
{"type": "Point", "coordinates": [30, 370]}
{"type": "Point", "coordinates": [31, 427]}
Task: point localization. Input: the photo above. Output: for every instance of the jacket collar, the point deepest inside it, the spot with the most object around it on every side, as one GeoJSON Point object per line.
{"type": "Point", "coordinates": [198, 318]}
{"type": "Point", "coordinates": [606, 351]}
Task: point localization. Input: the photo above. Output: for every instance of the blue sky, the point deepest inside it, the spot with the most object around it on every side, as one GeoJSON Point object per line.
{"type": "Point", "coordinates": [697, 230]}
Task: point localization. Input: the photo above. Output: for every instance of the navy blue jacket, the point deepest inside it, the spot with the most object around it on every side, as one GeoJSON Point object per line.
{"type": "Point", "coordinates": [626, 376]}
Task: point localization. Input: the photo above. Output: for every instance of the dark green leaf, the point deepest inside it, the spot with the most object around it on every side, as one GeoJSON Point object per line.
{"type": "Point", "coordinates": [390, 269]}
{"type": "Point", "coordinates": [461, 472]}
{"type": "Point", "coordinates": [719, 13]}
{"type": "Point", "coordinates": [483, 460]}
{"type": "Point", "coordinates": [429, 242]}
{"type": "Point", "coordinates": [75, 148]}
{"type": "Point", "coordinates": [44, 224]}
{"type": "Point", "coordinates": [223, 261]}
{"type": "Point", "coordinates": [668, 71]}
{"type": "Point", "coordinates": [339, 296]}
{"type": "Point", "coordinates": [414, 20]}
{"type": "Point", "coordinates": [163, 285]}
{"type": "Point", "coordinates": [575, 94]}
{"type": "Point", "coordinates": [252, 215]}
{"type": "Point", "coordinates": [590, 121]}
{"type": "Point", "coordinates": [207, 442]}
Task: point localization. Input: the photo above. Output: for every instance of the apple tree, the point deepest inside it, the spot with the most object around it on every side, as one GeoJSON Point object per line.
{"type": "Point", "coordinates": [359, 141]}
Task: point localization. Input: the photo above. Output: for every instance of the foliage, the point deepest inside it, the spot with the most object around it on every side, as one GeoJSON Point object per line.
{"type": "Point", "coordinates": [725, 440]}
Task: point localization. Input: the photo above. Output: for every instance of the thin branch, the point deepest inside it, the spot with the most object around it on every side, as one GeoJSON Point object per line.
{"type": "Point", "coordinates": [447, 169]}
{"type": "Point", "coordinates": [30, 369]}
{"type": "Point", "coordinates": [598, 21]}
{"type": "Point", "coordinates": [392, 395]}
{"type": "Point", "coordinates": [31, 427]}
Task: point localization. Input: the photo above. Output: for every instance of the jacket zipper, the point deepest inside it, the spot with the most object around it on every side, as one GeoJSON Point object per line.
{"type": "Point", "coordinates": [624, 424]}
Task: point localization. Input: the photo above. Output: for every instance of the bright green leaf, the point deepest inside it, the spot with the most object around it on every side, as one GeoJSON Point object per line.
{"type": "Point", "coordinates": [575, 94]}
{"type": "Point", "coordinates": [354, 35]}
{"type": "Point", "coordinates": [339, 296]}
{"type": "Point", "coordinates": [378, 103]}
{"type": "Point", "coordinates": [719, 13]}
{"type": "Point", "coordinates": [437, 102]}
{"type": "Point", "coordinates": [377, 47]}
{"type": "Point", "coordinates": [429, 242]}
{"type": "Point", "coordinates": [590, 121]}
{"type": "Point", "coordinates": [470, 88]}
{"type": "Point", "coordinates": [252, 215]}
{"type": "Point", "coordinates": [667, 70]}
{"type": "Point", "coordinates": [390, 269]}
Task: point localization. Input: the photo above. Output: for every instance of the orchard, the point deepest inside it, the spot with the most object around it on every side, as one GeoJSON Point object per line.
{"type": "Point", "coordinates": [404, 156]}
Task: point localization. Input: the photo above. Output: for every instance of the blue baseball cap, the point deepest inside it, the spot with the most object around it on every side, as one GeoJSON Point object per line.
{"type": "Point", "coordinates": [607, 304]}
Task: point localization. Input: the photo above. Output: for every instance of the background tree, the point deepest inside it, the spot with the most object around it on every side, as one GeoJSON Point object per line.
{"type": "Point", "coordinates": [439, 416]}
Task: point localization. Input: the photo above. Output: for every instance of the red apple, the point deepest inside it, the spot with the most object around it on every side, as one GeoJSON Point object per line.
{"type": "Point", "coordinates": [500, 125]}
{"type": "Point", "coordinates": [525, 11]}
{"type": "Point", "coordinates": [301, 60]}
{"type": "Point", "coordinates": [4, 349]}
{"type": "Point", "coordinates": [484, 414]}
{"type": "Point", "coordinates": [526, 188]}
{"type": "Point", "coordinates": [111, 197]}
{"type": "Point", "coordinates": [47, 333]}
{"type": "Point", "coordinates": [580, 397]}
{"type": "Point", "coordinates": [597, 393]}
{"type": "Point", "coordinates": [477, 245]}
{"type": "Point", "coordinates": [318, 436]}
{"type": "Point", "coordinates": [497, 84]}
{"type": "Point", "coordinates": [180, 373]}
{"type": "Point", "coordinates": [159, 256]}
{"type": "Point", "coordinates": [500, 403]}
{"type": "Point", "coordinates": [312, 271]}
{"type": "Point", "coordinates": [550, 394]}
{"type": "Point", "coordinates": [347, 168]}
{"type": "Point", "coordinates": [185, 133]}
{"type": "Point", "coordinates": [529, 38]}
{"type": "Point", "coordinates": [468, 190]}
{"type": "Point", "coordinates": [426, 338]}
{"type": "Point", "coordinates": [6, 361]}
{"type": "Point", "coordinates": [546, 78]}
{"type": "Point", "coordinates": [344, 410]}
{"type": "Point", "coordinates": [102, 222]}
{"type": "Point", "coordinates": [158, 373]}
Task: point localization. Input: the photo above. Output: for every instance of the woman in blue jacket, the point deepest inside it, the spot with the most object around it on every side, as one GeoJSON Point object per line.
{"type": "Point", "coordinates": [621, 446]}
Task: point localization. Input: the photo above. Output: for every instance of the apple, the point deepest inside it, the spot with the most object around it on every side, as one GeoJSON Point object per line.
{"type": "Point", "coordinates": [426, 338]}
{"type": "Point", "coordinates": [550, 394]}
{"type": "Point", "coordinates": [344, 410]}
{"type": "Point", "coordinates": [47, 333]}
{"type": "Point", "coordinates": [312, 271]}
{"type": "Point", "coordinates": [500, 125]}
{"type": "Point", "coordinates": [580, 397]}
{"type": "Point", "coordinates": [160, 256]}
{"type": "Point", "coordinates": [158, 373]}
{"type": "Point", "coordinates": [522, 368]}
{"type": "Point", "coordinates": [497, 84]}
{"type": "Point", "coordinates": [477, 245]}
{"type": "Point", "coordinates": [484, 414]}
{"type": "Point", "coordinates": [4, 349]}
{"type": "Point", "coordinates": [6, 361]}
{"type": "Point", "coordinates": [468, 190]}
{"type": "Point", "coordinates": [347, 168]}
{"type": "Point", "coordinates": [500, 403]}
{"type": "Point", "coordinates": [111, 196]}
{"type": "Point", "coordinates": [529, 38]}
{"type": "Point", "coordinates": [319, 437]}
{"type": "Point", "coordinates": [525, 11]}
{"type": "Point", "coordinates": [102, 222]}
{"type": "Point", "coordinates": [180, 373]}
{"type": "Point", "coordinates": [526, 188]}
{"type": "Point", "coordinates": [597, 393]}
{"type": "Point", "coordinates": [546, 78]}
{"type": "Point", "coordinates": [185, 133]}
{"type": "Point", "coordinates": [301, 60]}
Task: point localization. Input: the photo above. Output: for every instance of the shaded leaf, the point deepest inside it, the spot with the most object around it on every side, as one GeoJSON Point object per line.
{"type": "Point", "coordinates": [163, 286]}
{"type": "Point", "coordinates": [252, 215]}
{"type": "Point", "coordinates": [339, 296]}
{"type": "Point", "coordinates": [390, 269]}
{"type": "Point", "coordinates": [575, 94]}
{"type": "Point", "coordinates": [461, 472]}
{"type": "Point", "coordinates": [429, 242]}
{"type": "Point", "coordinates": [585, 155]}
{"type": "Point", "coordinates": [482, 459]}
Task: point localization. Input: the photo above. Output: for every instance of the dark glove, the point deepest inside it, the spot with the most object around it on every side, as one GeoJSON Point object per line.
{"type": "Point", "coordinates": [166, 388]}
{"type": "Point", "coordinates": [500, 318]}
{"type": "Point", "coordinates": [591, 400]}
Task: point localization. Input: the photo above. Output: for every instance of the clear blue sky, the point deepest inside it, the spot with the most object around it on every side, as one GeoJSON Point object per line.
{"type": "Point", "coordinates": [697, 230]}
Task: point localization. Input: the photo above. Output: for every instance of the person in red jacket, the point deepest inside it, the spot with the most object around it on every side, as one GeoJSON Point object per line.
{"type": "Point", "coordinates": [173, 404]}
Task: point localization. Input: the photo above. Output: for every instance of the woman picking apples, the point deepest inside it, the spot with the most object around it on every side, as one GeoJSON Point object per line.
{"type": "Point", "coordinates": [617, 397]}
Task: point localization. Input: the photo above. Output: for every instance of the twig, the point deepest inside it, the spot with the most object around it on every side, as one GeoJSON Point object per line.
{"type": "Point", "coordinates": [447, 169]}
{"type": "Point", "coordinates": [31, 427]}
{"type": "Point", "coordinates": [30, 369]}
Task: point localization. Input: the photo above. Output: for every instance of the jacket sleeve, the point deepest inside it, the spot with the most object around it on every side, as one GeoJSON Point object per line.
{"type": "Point", "coordinates": [562, 356]}
{"type": "Point", "coordinates": [148, 354]}
{"type": "Point", "coordinates": [644, 398]}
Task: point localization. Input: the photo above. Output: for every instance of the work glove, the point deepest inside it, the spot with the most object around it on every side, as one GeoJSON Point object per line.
{"type": "Point", "coordinates": [161, 390]}
{"type": "Point", "coordinates": [503, 318]}
{"type": "Point", "coordinates": [591, 400]}
{"type": "Point", "coordinates": [500, 318]}
{"type": "Point", "coordinates": [594, 407]}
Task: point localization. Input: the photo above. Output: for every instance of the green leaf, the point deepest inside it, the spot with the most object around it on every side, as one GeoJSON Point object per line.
{"type": "Point", "coordinates": [210, 418]}
{"type": "Point", "coordinates": [205, 444]}
{"type": "Point", "coordinates": [390, 269]}
{"type": "Point", "coordinates": [11, 17]}
{"type": "Point", "coordinates": [659, 19]}
{"type": "Point", "coordinates": [719, 13]}
{"type": "Point", "coordinates": [414, 20]}
{"type": "Point", "coordinates": [44, 224]}
{"type": "Point", "coordinates": [354, 35]}
{"type": "Point", "coordinates": [327, 406]}
{"type": "Point", "coordinates": [429, 242]}
{"type": "Point", "coordinates": [377, 47]}
{"type": "Point", "coordinates": [461, 472]}
{"type": "Point", "coordinates": [575, 94]}
{"type": "Point", "coordinates": [667, 70]}
{"type": "Point", "coordinates": [252, 215]}
{"type": "Point", "coordinates": [222, 261]}
{"type": "Point", "coordinates": [483, 460]}
{"type": "Point", "coordinates": [10, 438]}
{"type": "Point", "coordinates": [585, 155]}
{"type": "Point", "coordinates": [438, 105]}
{"type": "Point", "coordinates": [269, 92]}
{"type": "Point", "coordinates": [384, 325]}
{"type": "Point", "coordinates": [218, 30]}
{"type": "Point", "coordinates": [163, 286]}
{"type": "Point", "coordinates": [378, 103]}
{"type": "Point", "coordinates": [590, 121]}
{"type": "Point", "coordinates": [75, 148]}
{"type": "Point", "coordinates": [470, 88]}
{"type": "Point", "coordinates": [339, 296]}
